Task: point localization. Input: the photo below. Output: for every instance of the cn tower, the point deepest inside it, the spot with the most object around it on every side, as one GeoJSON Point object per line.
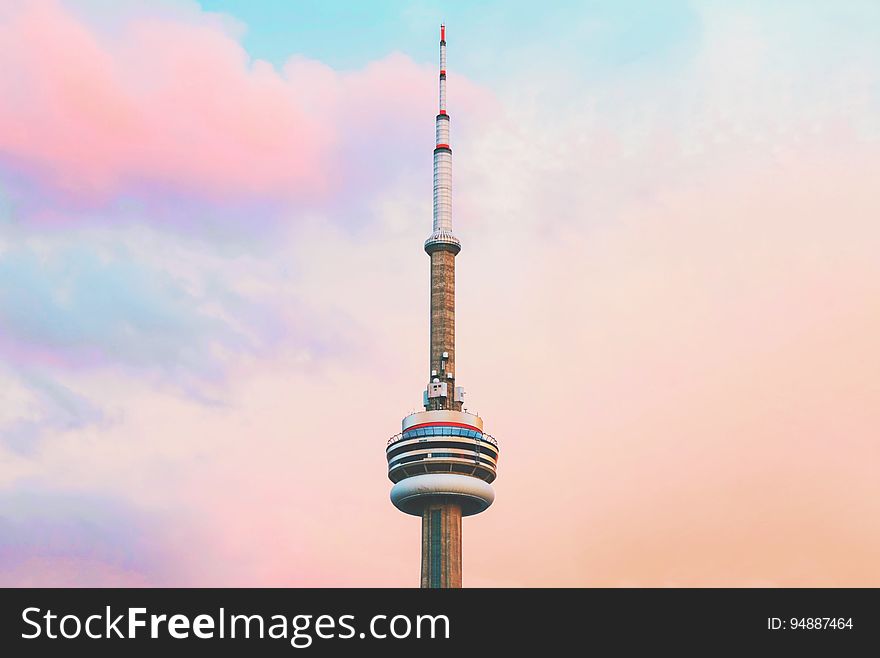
{"type": "Point", "coordinates": [442, 463]}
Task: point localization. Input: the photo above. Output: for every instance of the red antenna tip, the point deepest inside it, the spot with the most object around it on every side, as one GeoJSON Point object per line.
{"type": "Point", "coordinates": [442, 32]}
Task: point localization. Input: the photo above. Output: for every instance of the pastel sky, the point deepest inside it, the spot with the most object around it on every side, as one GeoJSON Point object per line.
{"type": "Point", "coordinates": [213, 298]}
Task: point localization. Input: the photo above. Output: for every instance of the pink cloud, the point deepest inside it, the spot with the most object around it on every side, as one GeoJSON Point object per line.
{"type": "Point", "coordinates": [181, 105]}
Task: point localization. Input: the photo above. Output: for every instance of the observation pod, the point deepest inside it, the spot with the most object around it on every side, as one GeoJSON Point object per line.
{"type": "Point", "coordinates": [442, 455]}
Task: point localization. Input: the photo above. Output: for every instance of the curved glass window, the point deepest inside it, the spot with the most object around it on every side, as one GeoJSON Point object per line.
{"type": "Point", "coordinates": [441, 430]}
{"type": "Point", "coordinates": [444, 455]}
{"type": "Point", "coordinates": [426, 444]}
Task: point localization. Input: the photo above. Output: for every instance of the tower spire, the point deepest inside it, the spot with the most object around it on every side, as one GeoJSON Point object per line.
{"type": "Point", "coordinates": [442, 226]}
{"type": "Point", "coordinates": [442, 68]}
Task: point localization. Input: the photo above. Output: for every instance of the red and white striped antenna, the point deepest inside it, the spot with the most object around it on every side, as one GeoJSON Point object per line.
{"type": "Point", "coordinates": [443, 156]}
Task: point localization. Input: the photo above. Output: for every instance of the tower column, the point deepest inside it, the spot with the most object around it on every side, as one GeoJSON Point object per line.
{"type": "Point", "coordinates": [443, 325]}
{"type": "Point", "coordinates": [441, 545]}
{"type": "Point", "coordinates": [442, 464]}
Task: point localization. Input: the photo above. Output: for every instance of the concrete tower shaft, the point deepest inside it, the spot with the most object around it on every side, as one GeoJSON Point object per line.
{"type": "Point", "coordinates": [442, 363]}
{"type": "Point", "coordinates": [441, 544]}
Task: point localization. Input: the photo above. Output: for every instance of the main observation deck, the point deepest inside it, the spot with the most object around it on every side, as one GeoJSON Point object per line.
{"type": "Point", "coordinates": [442, 442]}
{"type": "Point", "coordinates": [442, 453]}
